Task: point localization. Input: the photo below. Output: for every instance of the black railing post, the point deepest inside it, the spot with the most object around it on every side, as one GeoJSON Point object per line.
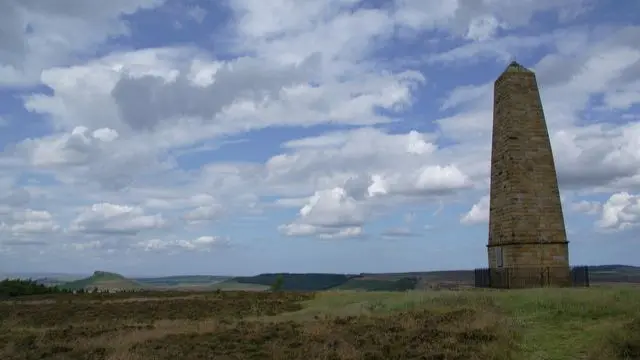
{"type": "Point", "coordinates": [544, 276]}
{"type": "Point", "coordinates": [586, 276]}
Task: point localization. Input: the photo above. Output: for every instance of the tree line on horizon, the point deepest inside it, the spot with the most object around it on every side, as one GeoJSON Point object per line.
{"type": "Point", "coordinates": [24, 287]}
{"type": "Point", "coordinates": [11, 288]}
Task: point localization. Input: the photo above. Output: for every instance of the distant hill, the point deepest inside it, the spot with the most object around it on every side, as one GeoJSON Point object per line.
{"type": "Point", "coordinates": [103, 280]}
{"type": "Point", "coordinates": [599, 274]}
{"type": "Point", "coordinates": [183, 280]}
{"type": "Point", "coordinates": [618, 268]}
{"type": "Point", "coordinates": [297, 282]}
{"type": "Point", "coordinates": [363, 281]}
{"type": "Point", "coordinates": [372, 284]}
{"type": "Point", "coordinates": [451, 279]}
{"type": "Point", "coordinates": [614, 274]}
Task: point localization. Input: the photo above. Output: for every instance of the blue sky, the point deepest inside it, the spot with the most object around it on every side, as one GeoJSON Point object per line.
{"type": "Point", "coordinates": [153, 137]}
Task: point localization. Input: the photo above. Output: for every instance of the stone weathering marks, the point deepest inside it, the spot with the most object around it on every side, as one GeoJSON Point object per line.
{"type": "Point", "coordinates": [526, 225]}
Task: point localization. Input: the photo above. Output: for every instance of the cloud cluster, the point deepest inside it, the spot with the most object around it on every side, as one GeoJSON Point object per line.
{"type": "Point", "coordinates": [35, 35]}
{"type": "Point", "coordinates": [341, 111]}
{"type": "Point", "coordinates": [621, 211]}
{"type": "Point", "coordinates": [30, 222]}
{"type": "Point", "coordinates": [479, 212]}
{"type": "Point", "coordinates": [202, 243]}
{"type": "Point", "coordinates": [105, 218]}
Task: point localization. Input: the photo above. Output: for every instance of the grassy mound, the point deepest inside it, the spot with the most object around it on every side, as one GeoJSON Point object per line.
{"type": "Point", "coordinates": [103, 280]}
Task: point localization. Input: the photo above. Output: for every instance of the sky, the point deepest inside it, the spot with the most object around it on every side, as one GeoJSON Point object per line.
{"type": "Point", "coordinates": [236, 137]}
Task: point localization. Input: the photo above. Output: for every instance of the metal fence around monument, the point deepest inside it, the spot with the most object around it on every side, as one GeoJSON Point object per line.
{"type": "Point", "coordinates": [505, 278]}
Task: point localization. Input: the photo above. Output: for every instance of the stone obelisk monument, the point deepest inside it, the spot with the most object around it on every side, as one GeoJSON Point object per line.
{"type": "Point", "coordinates": [528, 244]}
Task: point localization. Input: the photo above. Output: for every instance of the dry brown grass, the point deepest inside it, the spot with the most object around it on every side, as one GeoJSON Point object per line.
{"type": "Point", "coordinates": [621, 342]}
{"type": "Point", "coordinates": [550, 324]}
{"type": "Point", "coordinates": [237, 326]}
{"type": "Point", "coordinates": [72, 311]}
{"type": "Point", "coordinates": [462, 334]}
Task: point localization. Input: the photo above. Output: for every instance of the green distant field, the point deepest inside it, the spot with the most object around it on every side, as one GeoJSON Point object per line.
{"type": "Point", "coordinates": [236, 286]}
{"type": "Point", "coordinates": [183, 280]}
{"type": "Point", "coordinates": [297, 282]}
{"type": "Point", "coordinates": [373, 284]}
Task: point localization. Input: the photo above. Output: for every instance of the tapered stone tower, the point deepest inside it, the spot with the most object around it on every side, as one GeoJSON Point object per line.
{"type": "Point", "coordinates": [528, 244]}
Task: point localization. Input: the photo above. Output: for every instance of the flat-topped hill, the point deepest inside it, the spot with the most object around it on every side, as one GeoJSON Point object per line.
{"type": "Point", "coordinates": [103, 280]}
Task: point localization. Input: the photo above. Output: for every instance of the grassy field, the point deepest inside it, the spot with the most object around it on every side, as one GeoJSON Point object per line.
{"type": "Point", "coordinates": [597, 323]}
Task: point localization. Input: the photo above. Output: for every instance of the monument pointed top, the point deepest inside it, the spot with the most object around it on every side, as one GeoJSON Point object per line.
{"type": "Point", "coordinates": [515, 67]}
